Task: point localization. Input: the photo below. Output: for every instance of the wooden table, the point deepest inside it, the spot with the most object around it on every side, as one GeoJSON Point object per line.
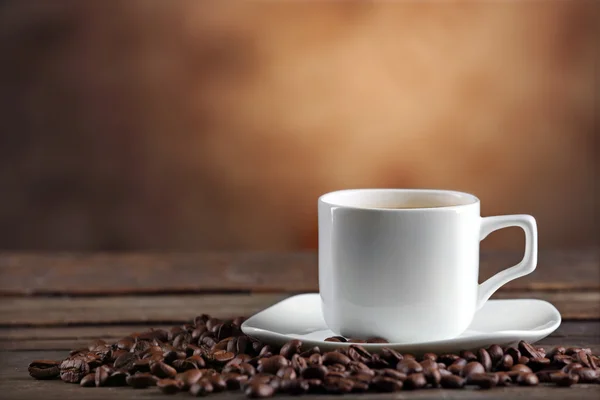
{"type": "Point", "coordinates": [55, 302]}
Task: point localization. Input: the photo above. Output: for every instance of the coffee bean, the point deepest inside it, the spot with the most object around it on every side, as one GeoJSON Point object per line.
{"type": "Point", "coordinates": [433, 376]}
{"type": "Point", "coordinates": [141, 380]}
{"type": "Point", "coordinates": [495, 353]}
{"type": "Point", "coordinates": [485, 359]}
{"type": "Point", "coordinates": [314, 372]}
{"type": "Point", "coordinates": [272, 364]}
{"type": "Point", "coordinates": [544, 375]}
{"type": "Point", "coordinates": [537, 364]}
{"type": "Point", "coordinates": [505, 363]}
{"type": "Point", "coordinates": [234, 381]}
{"type": "Point", "coordinates": [561, 360]}
{"type": "Point", "coordinates": [391, 356]}
{"type": "Point", "coordinates": [217, 382]}
{"type": "Point", "coordinates": [358, 353]}
{"type": "Point", "coordinates": [377, 362]}
{"type": "Point", "coordinates": [409, 366]}
{"type": "Point", "coordinates": [168, 386]}
{"type": "Point", "coordinates": [125, 344]}
{"type": "Point", "coordinates": [521, 368]}
{"type": "Point", "coordinates": [201, 388]}
{"type": "Point", "coordinates": [386, 384]}
{"type": "Point", "coordinates": [564, 379]}
{"type": "Point", "coordinates": [572, 367]}
{"type": "Point", "coordinates": [356, 340]}
{"type": "Point", "coordinates": [527, 379]}
{"type": "Point", "coordinates": [338, 385]}
{"type": "Point", "coordinates": [294, 387]}
{"type": "Point", "coordinates": [72, 370]}
{"type": "Point", "coordinates": [558, 350]}
{"type": "Point", "coordinates": [457, 366]}
{"type": "Point", "coordinates": [441, 365]}
{"type": "Point", "coordinates": [429, 364]}
{"type": "Point", "coordinates": [483, 380]}
{"type": "Point", "coordinates": [267, 349]}
{"type": "Point", "coordinates": [430, 356]}
{"type": "Point", "coordinates": [141, 365]}
{"type": "Point", "coordinates": [88, 381]}
{"type": "Point", "coordinates": [101, 375]}
{"type": "Point", "coordinates": [259, 390]}
{"type": "Point", "coordinates": [311, 351]}
{"type": "Point", "coordinates": [315, 359]}
{"type": "Point", "coordinates": [448, 359]}
{"type": "Point", "coordinates": [335, 357]}
{"type": "Point", "coordinates": [314, 385]}
{"type": "Point", "coordinates": [336, 339]}
{"type": "Point", "coordinates": [163, 370]}
{"type": "Point", "coordinates": [452, 382]}
{"type": "Point", "coordinates": [415, 381]}
{"type": "Point", "coordinates": [287, 373]}
{"type": "Point", "coordinates": [528, 350]}
{"type": "Point", "coordinates": [523, 360]}
{"type": "Point", "coordinates": [588, 375]}
{"type": "Point", "coordinates": [583, 358]}
{"type": "Point", "coordinates": [472, 368]}
{"type": "Point", "coordinates": [44, 369]}
{"type": "Point", "coordinates": [360, 387]}
{"type": "Point", "coordinates": [468, 355]}
{"type": "Point", "coordinates": [444, 372]}
{"type": "Point", "coordinates": [503, 379]}
{"type": "Point", "coordinates": [514, 353]}
{"type": "Point", "coordinates": [117, 378]}
{"type": "Point", "coordinates": [290, 348]}
{"type": "Point", "coordinates": [377, 340]}
{"type": "Point", "coordinates": [189, 377]}
{"type": "Point", "coordinates": [222, 357]}
{"type": "Point", "coordinates": [392, 373]}
{"type": "Point", "coordinates": [125, 361]}
{"type": "Point", "coordinates": [337, 374]}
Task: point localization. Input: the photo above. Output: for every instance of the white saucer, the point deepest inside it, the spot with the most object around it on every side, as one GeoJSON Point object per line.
{"type": "Point", "coordinates": [503, 322]}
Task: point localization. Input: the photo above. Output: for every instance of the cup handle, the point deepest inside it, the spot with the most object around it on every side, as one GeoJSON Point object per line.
{"type": "Point", "coordinates": [527, 264]}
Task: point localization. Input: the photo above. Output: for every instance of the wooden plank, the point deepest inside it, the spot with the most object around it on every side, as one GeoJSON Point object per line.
{"type": "Point", "coordinates": [93, 274]}
{"type": "Point", "coordinates": [57, 311]}
{"type": "Point", "coordinates": [16, 384]}
{"type": "Point", "coordinates": [574, 333]}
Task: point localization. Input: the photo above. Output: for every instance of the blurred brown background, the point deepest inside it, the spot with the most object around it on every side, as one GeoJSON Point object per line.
{"type": "Point", "coordinates": [198, 125]}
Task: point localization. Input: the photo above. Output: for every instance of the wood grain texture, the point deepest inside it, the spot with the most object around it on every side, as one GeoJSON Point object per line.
{"type": "Point", "coordinates": [94, 274]}
{"type": "Point", "coordinates": [58, 311]}
{"type": "Point", "coordinates": [16, 384]}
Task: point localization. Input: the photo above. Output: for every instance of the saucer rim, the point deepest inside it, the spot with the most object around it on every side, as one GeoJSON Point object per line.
{"type": "Point", "coordinates": [557, 318]}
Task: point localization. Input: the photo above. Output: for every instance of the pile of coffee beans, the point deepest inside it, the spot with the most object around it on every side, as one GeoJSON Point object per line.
{"type": "Point", "coordinates": [212, 355]}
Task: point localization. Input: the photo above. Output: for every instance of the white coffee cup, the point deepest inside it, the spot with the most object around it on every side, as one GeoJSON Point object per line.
{"type": "Point", "coordinates": [404, 264]}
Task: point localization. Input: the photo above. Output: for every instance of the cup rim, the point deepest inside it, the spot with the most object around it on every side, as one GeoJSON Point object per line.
{"type": "Point", "coordinates": [473, 200]}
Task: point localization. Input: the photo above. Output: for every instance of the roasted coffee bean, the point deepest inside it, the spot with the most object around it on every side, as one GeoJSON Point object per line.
{"type": "Point", "coordinates": [222, 357]}
{"type": "Point", "coordinates": [290, 348]}
{"type": "Point", "coordinates": [444, 372]}
{"type": "Point", "coordinates": [311, 351]}
{"type": "Point", "coordinates": [505, 363]}
{"type": "Point", "coordinates": [141, 365]}
{"type": "Point", "coordinates": [558, 350]}
{"type": "Point", "coordinates": [523, 360]}
{"type": "Point", "coordinates": [141, 380]}
{"type": "Point", "coordinates": [561, 360]}
{"type": "Point", "coordinates": [529, 351]}
{"type": "Point", "coordinates": [391, 356]}
{"type": "Point", "coordinates": [218, 383]}
{"type": "Point", "coordinates": [430, 356]}
{"type": "Point", "coordinates": [197, 361]}
{"type": "Point", "coordinates": [441, 365]}
{"type": "Point", "coordinates": [126, 343]}
{"type": "Point", "coordinates": [448, 359]}
{"type": "Point", "coordinates": [527, 379]}
{"type": "Point", "coordinates": [483, 380]}
{"type": "Point", "coordinates": [338, 385]}
{"type": "Point", "coordinates": [259, 390]}
{"type": "Point", "coordinates": [224, 330]}
{"type": "Point", "coordinates": [189, 377]}
{"type": "Point", "coordinates": [272, 364]}
{"type": "Point", "coordinates": [335, 357]}
{"type": "Point", "coordinates": [386, 384]}
{"type": "Point", "coordinates": [377, 340]}
{"type": "Point", "coordinates": [337, 374]}
{"type": "Point", "coordinates": [432, 376]}
{"type": "Point", "coordinates": [356, 340]}
{"type": "Point", "coordinates": [583, 358]}
{"type": "Point", "coordinates": [201, 388]}
{"type": "Point", "coordinates": [485, 359]}
{"type": "Point", "coordinates": [183, 365]}
{"type": "Point", "coordinates": [222, 344]}
{"type": "Point", "coordinates": [495, 353]}
{"type": "Point", "coordinates": [452, 382]}
{"type": "Point", "coordinates": [537, 364]}
{"type": "Point", "coordinates": [574, 350]}
{"type": "Point", "coordinates": [72, 370]}
{"type": "Point", "coordinates": [521, 368]}
{"type": "Point", "coordinates": [409, 366]}
{"type": "Point", "coordinates": [44, 369]}
{"type": "Point", "coordinates": [457, 366]}
{"type": "Point", "coordinates": [125, 361]}
{"type": "Point", "coordinates": [468, 355]}
{"type": "Point", "coordinates": [294, 387]}
{"type": "Point", "coordinates": [117, 378]}
{"type": "Point", "coordinates": [336, 367]}
{"type": "Point", "coordinates": [267, 349]}
{"type": "Point", "coordinates": [247, 369]}
{"type": "Point", "coordinates": [336, 339]}
{"type": "Point", "coordinates": [472, 368]}
{"type": "Point", "coordinates": [163, 370]}
{"type": "Point", "coordinates": [358, 353]}
{"type": "Point", "coordinates": [88, 380]}
{"type": "Point", "coordinates": [428, 364]}
{"type": "Point", "coordinates": [415, 381]}
{"type": "Point", "coordinates": [544, 375]}
{"type": "Point", "coordinates": [377, 362]}
{"type": "Point", "coordinates": [564, 379]}
{"type": "Point", "coordinates": [392, 373]}
{"type": "Point", "coordinates": [102, 374]}
{"type": "Point", "coordinates": [360, 386]}
{"type": "Point", "coordinates": [503, 379]}
{"type": "Point", "coordinates": [169, 386]}
{"type": "Point", "coordinates": [588, 375]}
{"type": "Point", "coordinates": [314, 372]}
{"type": "Point", "coordinates": [572, 367]}
{"type": "Point", "coordinates": [286, 373]}
{"type": "Point", "coordinates": [315, 359]}
{"type": "Point", "coordinates": [514, 353]}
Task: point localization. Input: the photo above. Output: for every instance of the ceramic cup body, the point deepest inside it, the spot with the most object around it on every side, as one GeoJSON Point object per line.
{"type": "Point", "coordinates": [404, 274]}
